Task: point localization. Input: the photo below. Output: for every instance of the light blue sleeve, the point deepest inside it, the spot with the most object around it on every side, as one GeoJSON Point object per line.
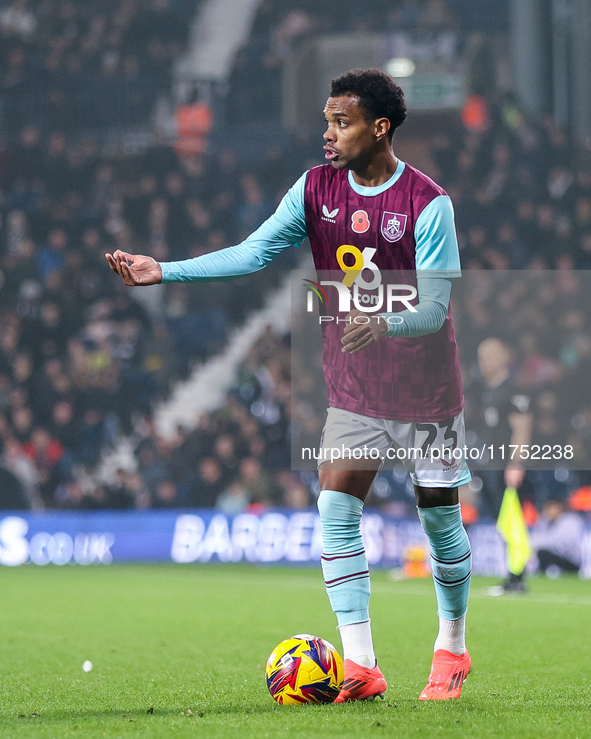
{"type": "Point", "coordinates": [437, 249]}
{"type": "Point", "coordinates": [285, 228]}
{"type": "Point", "coordinates": [431, 310]}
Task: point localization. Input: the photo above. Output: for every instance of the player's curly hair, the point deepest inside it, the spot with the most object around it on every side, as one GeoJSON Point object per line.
{"type": "Point", "coordinates": [378, 94]}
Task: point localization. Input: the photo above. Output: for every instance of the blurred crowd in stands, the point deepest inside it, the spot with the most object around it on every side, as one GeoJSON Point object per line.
{"type": "Point", "coordinates": [236, 457]}
{"type": "Point", "coordinates": [79, 353]}
{"type": "Point", "coordinates": [83, 359]}
{"type": "Point", "coordinates": [521, 189]}
{"type": "Point", "coordinates": [66, 64]}
{"type": "Point", "coordinates": [281, 27]}
{"type": "Point", "coordinates": [80, 359]}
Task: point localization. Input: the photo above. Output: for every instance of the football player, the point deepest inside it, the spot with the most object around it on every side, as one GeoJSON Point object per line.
{"type": "Point", "coordinates": [391, 383]}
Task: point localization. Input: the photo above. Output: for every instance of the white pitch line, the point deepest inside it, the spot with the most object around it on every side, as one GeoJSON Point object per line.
{"type": "Point", "coordinates": [573, 600]}
{"type": "Point", "coordinates": [384, 589]}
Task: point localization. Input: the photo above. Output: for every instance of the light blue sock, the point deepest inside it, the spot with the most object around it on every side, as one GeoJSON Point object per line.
{"type": "Point", "coordinates": [344, 565]}
{"type": "Point", "coordinates": [451, 558]}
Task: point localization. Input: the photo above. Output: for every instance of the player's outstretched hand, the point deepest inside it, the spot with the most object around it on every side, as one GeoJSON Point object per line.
{"type": "Point", "coordinates": [357, 336]}
{"type": "Point", "coordinates": [135, 269]}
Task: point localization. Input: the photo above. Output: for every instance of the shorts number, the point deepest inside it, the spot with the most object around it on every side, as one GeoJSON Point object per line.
{"type": "Point", "coordinates": [432, 430]}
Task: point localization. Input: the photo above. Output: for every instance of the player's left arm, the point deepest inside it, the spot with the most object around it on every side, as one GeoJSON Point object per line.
{"type": "Point", "coordinates": [437, 262]}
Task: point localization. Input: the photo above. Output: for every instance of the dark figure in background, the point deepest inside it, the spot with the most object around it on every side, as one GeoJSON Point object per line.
{"type": "Point", "coordinates": [499, 416]}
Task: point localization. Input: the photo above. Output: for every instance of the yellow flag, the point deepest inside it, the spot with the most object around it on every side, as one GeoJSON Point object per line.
{"type": "Point", "coordinates": [511, 526]}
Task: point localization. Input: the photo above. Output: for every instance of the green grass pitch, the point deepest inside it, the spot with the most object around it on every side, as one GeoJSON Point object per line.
{"type": "Point", "coordinates": [179, 651]}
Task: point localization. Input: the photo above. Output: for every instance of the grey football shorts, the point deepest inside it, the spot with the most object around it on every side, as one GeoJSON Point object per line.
{"type": "Point", "coordinates": [431, 452]}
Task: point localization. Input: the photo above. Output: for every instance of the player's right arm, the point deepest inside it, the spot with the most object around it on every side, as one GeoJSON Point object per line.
{"type": "Point", "coordinates": [521, 423]}
{"type": "Point", "coordinates": [285, 228]}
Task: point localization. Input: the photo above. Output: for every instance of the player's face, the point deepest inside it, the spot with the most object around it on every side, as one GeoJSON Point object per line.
{"type": "Point", "coordinates": [350, 136]}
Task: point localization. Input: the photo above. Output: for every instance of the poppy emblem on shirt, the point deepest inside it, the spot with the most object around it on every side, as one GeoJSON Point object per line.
{"type": "Point", "coordinates": [360, 221]}
{"type": "Point", "coordinates": [393, 226]}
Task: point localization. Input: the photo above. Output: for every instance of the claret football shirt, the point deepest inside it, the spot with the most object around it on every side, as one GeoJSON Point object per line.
{"type": "Point", "coordinates": [408, 220]}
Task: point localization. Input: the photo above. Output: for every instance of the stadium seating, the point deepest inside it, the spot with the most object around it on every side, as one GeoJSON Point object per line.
{"type": "Point", "coordinates": [68, 65]}
{"type": "Point", "coordinates": [82, 359]}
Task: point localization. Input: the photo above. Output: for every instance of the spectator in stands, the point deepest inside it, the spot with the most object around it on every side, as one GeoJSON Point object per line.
{"type": "Point", "coordinates": [258, 484]}
{"type": "Point", "coordinates": [128, 491]}
{"type": "Point", "coordinates": [193, 122]}
{"type": "Point", "coordinates": [208, 485]}
{"type": "Point", "coordinates": [16, 461]}
{"type": "Point", "coordinates": [557, 539]}
{"type": "Point", "coordinates": [46, 453]}
{"type": "Point", "coordinates": [234, 499]}
{"type": "Point", "coordinates": [167, 495]}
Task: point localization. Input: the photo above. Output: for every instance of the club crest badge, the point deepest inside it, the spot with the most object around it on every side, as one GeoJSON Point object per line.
{"type": "Point", "coordinates": [393, 226]}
